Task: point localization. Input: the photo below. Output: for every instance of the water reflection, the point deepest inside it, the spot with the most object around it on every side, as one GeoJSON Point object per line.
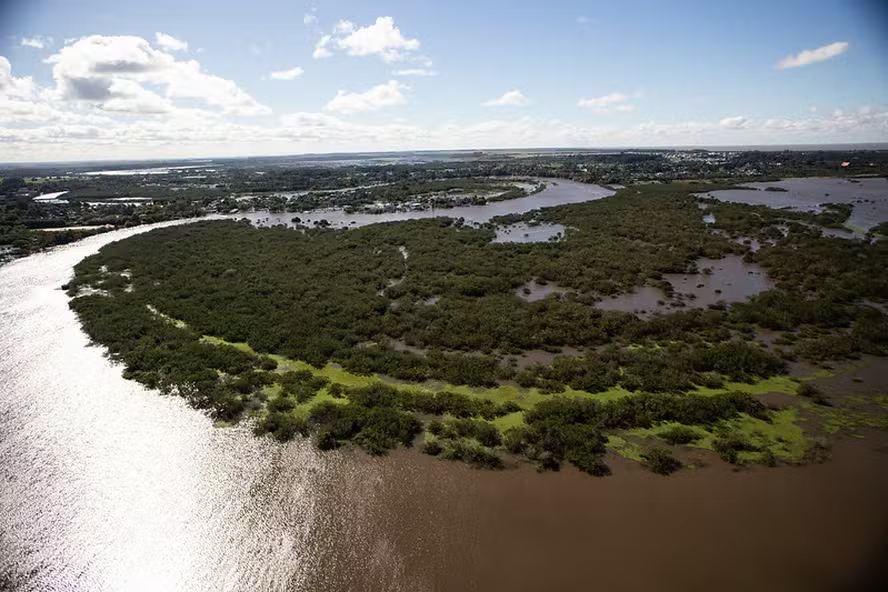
{"type": "Point", "coordinates": [555, 194]}
{"type": "Point", "coordinates": [107, 486]}
{"type": "Point", "coordinates": [868, 195]}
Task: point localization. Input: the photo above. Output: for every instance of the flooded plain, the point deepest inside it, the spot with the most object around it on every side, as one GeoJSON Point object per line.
{"type": "Point", "coordinates": [869, 195]}
{"type": "Point", "coordinates": [107, 486]}
{"type": "Point", "coordinates": [729, 279]}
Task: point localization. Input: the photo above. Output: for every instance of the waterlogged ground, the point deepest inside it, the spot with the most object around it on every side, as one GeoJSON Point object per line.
{"type": "Point", "coordinates": [868, 195]}
{"type": "Point", "coordinates": [783, 437]}
{"type": "Point", "coordinates": [729, 279]}
{"type": "Point", "coordinates": [107, 486]}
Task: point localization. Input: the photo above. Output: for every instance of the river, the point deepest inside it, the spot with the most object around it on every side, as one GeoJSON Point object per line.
{"type": "Point", "coordinates": [106, 486]}
{"type": "Point", "coordinates": [557, 192]}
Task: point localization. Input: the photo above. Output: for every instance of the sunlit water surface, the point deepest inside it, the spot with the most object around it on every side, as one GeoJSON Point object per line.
{"type": "Point", "coordinates": [107, 486]}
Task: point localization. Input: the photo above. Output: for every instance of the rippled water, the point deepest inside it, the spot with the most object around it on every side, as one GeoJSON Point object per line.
{"type": "Point", "coordinates": [107, 486]}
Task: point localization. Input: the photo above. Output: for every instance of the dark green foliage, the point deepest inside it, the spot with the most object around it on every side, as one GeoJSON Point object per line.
{"type": "Point", "coordinates": [680, 434]}
{"type": "Point", "coordinates": [660, 461]}
{"type": "Point", "coordinates": [473, 454]}
{"type": "Point", "coordinates": [454, 404]}
{"type": "Point", "coordinates": [282, 425]}
{"type": "Point", "coordinates": [481, 431]}
{"type": "Point", "coordinates": [432, 447]}
{"type": "Point", "coordinates": [729, 444]}
{"type": "Point", "coordinates": [325, 296]}
{"type": "Point", "coordinates": [375, 429]}
{"type": "Point", "coordinates": [739, 361]}
{"type": "Point", "coordinates": [811, 391]}
{"type": "Point", "coordinates": [572, 430]}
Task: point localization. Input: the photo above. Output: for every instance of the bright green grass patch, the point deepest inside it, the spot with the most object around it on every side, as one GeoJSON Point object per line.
{"type": "Point", "coordinates": [775, 384]}
{"type": "Point", "coordinates": [624, 448]}
{"type": "Point", "coordinates": [512, 420]}
{"type": "Point", "coordinates": [781, 436]}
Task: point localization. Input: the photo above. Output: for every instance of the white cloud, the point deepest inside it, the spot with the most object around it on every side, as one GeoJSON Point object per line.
{"type": "Point", "coordinates": [415, 72]}
{"type": "Point", "coordinates": [99, 70]}
{"type": "Point", "coordinates": [382, 39]}
{"type": "Point", "coordinates": [512, 98]}
{"type": "Point", "coordinates": [607, 103]}
{"type": "Point", "coordinates": [14, 88]}
{"type": "Point", "coordinates": [812, 56]}
{"type": "Point", "coordinates": [170, 43]}
{"type": "Point", "coordinates": [383, 95]}
{"type": "Point", "coordinates": [185, 133]}
{"type": "Point", "coordinates": [290, 74]}
{"type": "Point", "coordinates": [37, 42]}
{"type": "Point", "coordinates": [737, 122]}
{"type": "Point", "coordinates": [309, 18]}
{"type": "Point", "coordinates": [322, 47]}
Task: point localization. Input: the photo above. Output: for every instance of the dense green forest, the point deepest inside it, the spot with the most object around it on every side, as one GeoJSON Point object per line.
{"type": "Point", "coordinates": [436, 300]}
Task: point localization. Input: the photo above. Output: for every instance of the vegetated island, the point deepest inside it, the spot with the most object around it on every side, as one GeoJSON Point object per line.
{"type": "Point", "coordinates": [399, 333]}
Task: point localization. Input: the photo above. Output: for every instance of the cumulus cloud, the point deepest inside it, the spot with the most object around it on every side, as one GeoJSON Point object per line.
{"type": "Point", "coordinates": [812, 56]}
{"type": "Point", "coordinates": [309, 18]}
{"type": "Point", "coordinates": [415, 72]}
{"type": "Point", "coordinates": [512, 98]}
{"type": "Point", "coordinates": [37, 42]}
{"type": "Point", "coordinates": [383, 95]}
{"type": "Point", "coordinates": [382, 39]}
{"type": "Point", "coordinates": [170, 43]}
{"type": "Point", "coordinates": [12, 87]}
{"type": "Point", "coordinates": [607, 103]}
{"type": "Point", "coordinates": [113, 70]}
{"type": "Point", "coordinates": [291, 74]}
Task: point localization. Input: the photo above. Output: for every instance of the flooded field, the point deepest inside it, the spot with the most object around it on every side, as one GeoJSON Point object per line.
{"type": "Point", "coordinates": [729, 279]}
{"type": "Point", "coordinates": [868, 195]}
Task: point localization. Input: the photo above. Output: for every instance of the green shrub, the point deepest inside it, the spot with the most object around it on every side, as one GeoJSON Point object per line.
{"type": "Point", "coordinates": [660, 461]}
{"type": "Point", "coordinates": [811, 391]}
{"type": "Point", "coordinates": [680, 434]}
{"type": "Point", "coordinates": [432, 447]}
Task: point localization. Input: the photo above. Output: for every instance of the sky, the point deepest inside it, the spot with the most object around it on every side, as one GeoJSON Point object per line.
{"type": "Point", "coordinates": [119, 79]}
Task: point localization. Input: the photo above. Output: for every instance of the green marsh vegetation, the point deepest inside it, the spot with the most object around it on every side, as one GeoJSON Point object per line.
{"type": "Point", "coordinates": [433, 303]}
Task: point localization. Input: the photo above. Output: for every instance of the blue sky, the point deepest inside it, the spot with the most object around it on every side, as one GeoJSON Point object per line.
{"type": "Point", "coordinates": [120, 79]}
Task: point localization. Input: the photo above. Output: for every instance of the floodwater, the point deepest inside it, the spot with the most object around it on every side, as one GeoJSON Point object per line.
{"type": "Point", "coordinates": [731, 280]}
{"type": "Point", "coordinates": [522, 233]}
{"type": "Point", "coordinates": [564, 192]}
{"type": "Point", "coordinates": [869, 196]}
{"type": "Point", "coordinates": [51, 197]}
{"type": "Point", "coordinates": [106, 486]}
{"type": "Point", "coordinates": [533, 291]}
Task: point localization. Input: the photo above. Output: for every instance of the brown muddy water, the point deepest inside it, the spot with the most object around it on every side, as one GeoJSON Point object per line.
{"type": "Point", "coordinates": [731, 279]}
{"type": "Point", "coordinates": [106, 486]}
